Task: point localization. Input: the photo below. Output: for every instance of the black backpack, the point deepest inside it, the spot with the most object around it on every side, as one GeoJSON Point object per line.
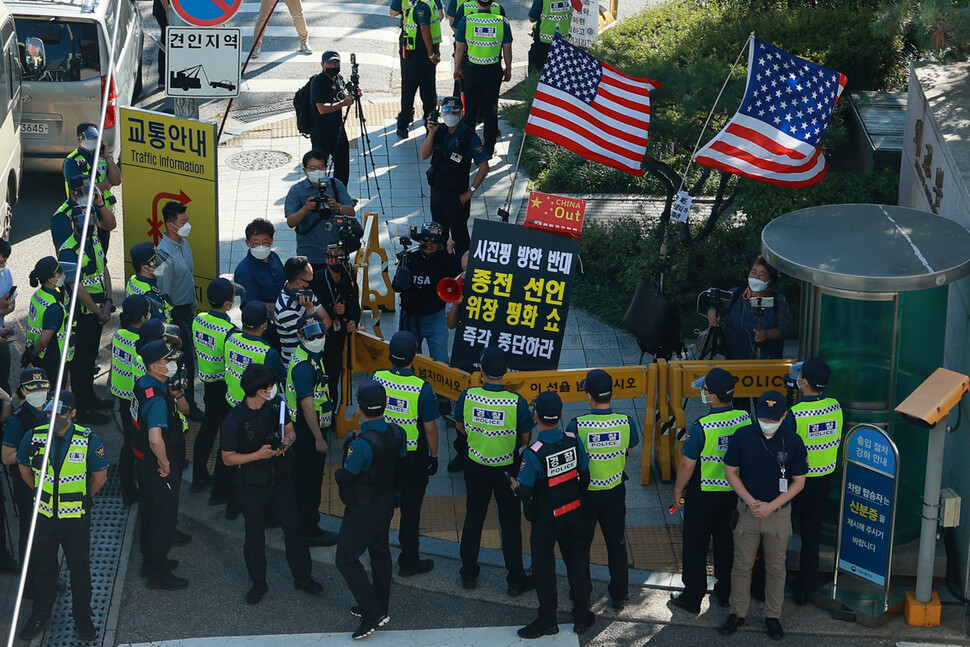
{"type": "Point", "coordinates": [304, 108]}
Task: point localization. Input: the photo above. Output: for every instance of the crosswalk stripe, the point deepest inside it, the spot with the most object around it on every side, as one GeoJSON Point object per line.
{"type": "Point", "coordinates": [329, 7]}
{"type": "Point", "coordinates": [294, 56]}
{"type": "Point", "coordinates": [318, 34]}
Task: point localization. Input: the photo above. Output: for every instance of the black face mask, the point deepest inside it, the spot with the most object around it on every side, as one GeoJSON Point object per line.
{"type": "Point", "coordinates": [332, 72]}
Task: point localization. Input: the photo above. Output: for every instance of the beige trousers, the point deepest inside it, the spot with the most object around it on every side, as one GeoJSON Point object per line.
{"type": "Point", "coordinates": [296, 10]}
{"type": "Point", "coordinates": [772, 534]}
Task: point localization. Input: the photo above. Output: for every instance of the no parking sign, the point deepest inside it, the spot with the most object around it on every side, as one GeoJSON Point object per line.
{"type": "Point", "coordinates": [206, 13]}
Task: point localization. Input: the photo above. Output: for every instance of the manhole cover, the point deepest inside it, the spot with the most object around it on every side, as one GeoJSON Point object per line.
{"type": "Point", "coordinates": [258, 160]}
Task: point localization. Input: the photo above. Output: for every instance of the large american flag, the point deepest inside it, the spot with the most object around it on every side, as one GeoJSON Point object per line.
{"type": "Point", "coordinates": [786, 108]}
{"type": "Point", "coordinates": [592, 108]}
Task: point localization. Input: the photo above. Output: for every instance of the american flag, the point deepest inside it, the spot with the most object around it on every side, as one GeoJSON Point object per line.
{"type": "Point", "coordinates": [592, 108]}
{"type": "Point", "coordinates": [786, 108]}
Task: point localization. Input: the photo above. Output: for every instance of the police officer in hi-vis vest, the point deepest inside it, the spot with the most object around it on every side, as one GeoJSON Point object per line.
{"type": "Point", "coordinates": [420, 43]}
{"type": "Point", "coordinates": [818, 421]}
{"type": "Point", "coordinates": [73, 208]}
{"type": "Point", "coordinates": [76, 470]}
{"type": "Point", "coordinates": [411, 404]}
{"type": "Point", "coordinates": [496, 423]}
{"type": "Point", "coordinates": [553, 477]}
{"type": "Point", "coordinates": [607, 438]}
{"type": "Point", "coordinates": [80, 162]}
{"type": "Point", "coordinates": [47, 318]}
{"type": "Point", "coordinates": [710, 501]}
{"type": "Point", "coordinates": [550, 17]}
{"type": "Point", "coordinates": [149, 264]}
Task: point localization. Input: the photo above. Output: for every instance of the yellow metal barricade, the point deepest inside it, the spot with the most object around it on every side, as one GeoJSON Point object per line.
{"type": "Point", "coordinates": [371, 299]}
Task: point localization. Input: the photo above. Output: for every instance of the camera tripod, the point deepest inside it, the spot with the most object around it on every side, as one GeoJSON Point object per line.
{"type": "Point", "coordinates": [712, 341]}
{"type": "Point", "coordinates": [354, 89]}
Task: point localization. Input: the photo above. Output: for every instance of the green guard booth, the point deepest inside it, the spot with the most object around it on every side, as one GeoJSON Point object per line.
{"type": "Point", "coordinates": [873, 305]}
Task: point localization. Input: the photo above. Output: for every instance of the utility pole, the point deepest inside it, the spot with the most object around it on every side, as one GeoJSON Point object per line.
{"type": "Point", "coordinates": [184, 106]}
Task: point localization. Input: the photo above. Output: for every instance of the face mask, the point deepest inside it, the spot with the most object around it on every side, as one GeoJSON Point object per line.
{"type": "Point", "coordinates": [757, 285]}
{"type": "Point", "coordinates": [451, 120]}
{"type": "Point", "coordinates": [261, 252]}
{"type": "Point", "coordinates": [272, 392]}
{"type": "Point", "coordinates": [705, 400]}
{"type": "Point", "coordinates": [315, 176]}
{"type": "Point", "coordinates": [88, 144]}
{"type": "Point", "coordinates": [171, 369]}
{"type": "Point", "coordinates": [769, 428]}
{"type": "Point", "coordinates": [160, 270]}
{"type": "Point", "coordinates": [60, 281]}
{"type": "Point", "coordinates": [332, 71]}
{"type": "Point", "coordinates": [236, 302]}
{"type": "Point", "coordinates": [37, 399]}
{"type": "Point", "coordinates": [184, 230]}
{"type": "Point", "coordinates": [315, 345]}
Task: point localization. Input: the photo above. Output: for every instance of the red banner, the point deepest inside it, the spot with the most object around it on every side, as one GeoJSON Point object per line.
{"type": "Point", "coordinates": [555, 214]}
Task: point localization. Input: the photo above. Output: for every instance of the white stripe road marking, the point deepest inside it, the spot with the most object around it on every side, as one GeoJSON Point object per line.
{"type": "Point", "coordinates": [472, 637]}
{"type": "Point", "coordinates": [385, 35]}
{"type": "Point", "coordinates": [294, 56]}
{"type": "Point", "coordinates": [329, 7]}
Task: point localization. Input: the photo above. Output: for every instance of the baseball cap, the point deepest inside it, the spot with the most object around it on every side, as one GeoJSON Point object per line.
{"type": "Point", "coordinates": [34, 379]}
{"type": "Point", "coordinates": [432, 231]}
{"type": "Point", "coordinates": [717, 381]}
{"type": "Point", "coordinates": [77, 182]}
{"type": "Point", "coordinates": [156, 350]}
{"type": "Point", "coordinates": [84, 126]}
{"type": "Point", "coordinates": [330, 55]}
{"type": "Point", "coordinates": [598, 383]}
{"type": "Point", "coordinates": [141, 254]}
{"type": "Point", "coordinates": [450, 105]}
{"type": "Point", "coordinates": [814, 371]}
{"type": "Point", "coordinates": [135, 306]}
{"type": "Point", "coordinates": [548, 406]}
{"type": "Point", "coordinates": [493, 362]}
{"type": "Point", "coordinates": [45, 268]}
{"type": "Point", "coordinates": [403, 346]}
{"type": "Point", "coordinates": [89, 133]}
{"type": "Point", "coordinates": [219, 291]}
{"type": "Point", "coordinates": [151, 330]}
{"type": "Point", "coordinates": [311, 327]}
{"type": "Point", "coordinates": [771, 405]}
{"type": "Point", "coordinates": [254, 314]}
{"type": "Point", "coordinates": [371, 397]}
{"type": "Point", "coordinates": [66, 402]}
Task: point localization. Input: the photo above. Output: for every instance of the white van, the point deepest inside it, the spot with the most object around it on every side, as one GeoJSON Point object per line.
{"type": "Point", "coordinates": [11, 152]}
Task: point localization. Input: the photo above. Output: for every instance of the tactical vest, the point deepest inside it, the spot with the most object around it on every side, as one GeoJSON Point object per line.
{"type": "Point", "coordinates": [264, 472]}
{"type": "Point", "coordinates": [491, 420]}
{"type": "Point", "coordinates": [450, 165]}
{"type": "Point", "coordinates": [159, 302]}
{"type": "Point", "coordinates": [606, 438]}
{"type": "Point", "coordinates": [385, 449]}
{"type": "Point", "coordinates": [123, 353]}
{"type": "Point", "coordinates": [819, 424]}
{"type": "Point", "coordinates": [718, 429]}
{"type": "Point", "coordinates": [321, 394]}
{"type": "Point", "coordinates": [470, 7]}
{"type": "Point", "coordinates": [84, 166]}
{"type": "Point", "coordinates": [411, 31]}
{"type": "Point", "coordinates": [556, 17]}
{"type": "Point", "coordinates": [62, 491]}
{"type": "Point", "coordinates": [403, 394]}
{"type": "Point", "coordinates": [557, 489]}
{"type": "Point", "coordinates": [174, 436]}
{"type": "Point", "coordinates": [240, 353]}
{"type": "Point", "coordinates": [29, 418]}
{"type": "Point", "coordinates": [484, 33]}
{"type": "Point", "coordinates": [92, 269]}
{"type": "Point", "coordinates": [39, 303]}
{"type": "Point", "coordinates": [209, 333]}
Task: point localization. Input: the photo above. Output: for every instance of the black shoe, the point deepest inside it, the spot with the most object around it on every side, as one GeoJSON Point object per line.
{"type": "Point", "coordinates": [168, 582]}
{"type": "Point", "coordinates": [255, 594]}
{"type": "Point", "coordinates": [620, 604]}
{"type": "Point", "coordinates": [535, 630]}
{"type": "Point", "coordinates": [732, 624]}
{"type": "Point", "coordinates": [801, 598]}
{"type": "Point", "coordinates": [195, 414]}
{"type": "Point", "coordinates": [681, 603]}
{"type": "Point", "coordinates": [201, 485]}
{"type": "Point", "coordinates": [9, 565]}
{"type": "Point", "coordinates": [723, 601]}
{"type": "Point", "coordinates": [403, 133]}
{"type": "Point", "coordinates": [92, 417]}
{"type": "Point", "coordinates": [583, 625]}
{"type": "Point", "coordinates": [519, 587]}
{"type": "Point", "coordinates": [217, 500]}
{"type": "Point", "coordinates": [367, 627]}
{"type": "Point", "coordinates": [456, 464]}
{"type": "Point", "coordinates": [129, 497]}
{"type": "Point", "coordinates": [101, 404]}
{"type": "Point", "coordinates": [232, 512]}
{"type": "Point", "coordinates": [421, 566]}
{"type": "Point", "coordinates": [170, 565]}
{"type": "Point", "coordinates": [180, 538]}
{"type": "Point", "coordinates": [33, 628]}
{"type": "Point", "coordinates": [356, 611]}
{"type": "Point", "coordinates": [469, 582]}
{"type": "Point", "coordinates": [85, 630]}
{"type": "Point", "coordinates": [323, 538]}
{"type": "Point", "coordinates": [308, 585]}
{"type": "Point", "coordinates": [775, 632]}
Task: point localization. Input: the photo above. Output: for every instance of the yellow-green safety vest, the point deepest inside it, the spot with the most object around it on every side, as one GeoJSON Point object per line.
{"type": "Point", "coordinates": [240, 353]}
{"type": "Point", "coordinates": [819, 423]}
{"type": "Point", "coordinates": [410, 27]}
{"type": "Point", "coordinates": [92, 274]}
{"type": "Point", "coordinates": [484, 33]}
{"type": "Point", "coordinates": [321, 394]}
{"type": "Point", "coordinates": [491, 422]}
{"type": "Point", "coordinates": [606, 438]}
{"type": "Point", "coordinates": [556, 17]}
{"type": "Point", "coordinates": [123, 353]}
{"type": "Point", "coordinates": [39, 303]}
{"type": "Point", "coordinates": [160, 304]}
{"type": "Point", "coordinates": [85, 167]}
{"type": "Point", "coordinates": [209, 333]}
{"type": "Point", "coordinates": [468, 8]}
{"type": "Point", "coordinates": [69, 484]}
{"type": "Point", "coordinates": [403, 394]}
{"type": "Point", "coordinates": [718, 429]}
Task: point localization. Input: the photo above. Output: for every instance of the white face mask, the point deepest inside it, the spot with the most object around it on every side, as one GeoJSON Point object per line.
{"type": "Point", "coordinates": [37, 399]}
{"type": "Point", "coordinates": [272, 392]}
{"type": "Point", "coordinates": [757, 285]}
{"type": "Point", "coordinates": [184, 230]}
{"type": "Point", "coordinates": [88, 144]}
{"type": "Point", "coordinates": [315, 176]}
{"type": "Point", "coordinates": [705, 398]}
{"type": "Point", "coordinates": [171, 368]}
{"type": "Point", "coordinates": [451, 120]}
{"type": "Point", "coordinates": [769, 428]}
{"type": "Point", "coordinates": [315, 345]}
{"type": "Point", "coordinates": [261, 252]}
{"type": "Point", "coordinates": [60, 280]}
{"type": "Point", "coordinates": [160, 270]}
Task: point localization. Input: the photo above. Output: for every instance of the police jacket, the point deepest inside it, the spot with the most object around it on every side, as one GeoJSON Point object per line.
{"type": "Point", "coordinates": [174, 435]}
{"type": "Point", "coordinates": [253, 430]}
{"type": "Point", "coordinates": [420, 297]}
{"type": "Point", "coordinates": [450, 165]}
{"type": "Point", "coordinates": [371, 463]}
{"type": "Point", "coordinates": [553, 476]}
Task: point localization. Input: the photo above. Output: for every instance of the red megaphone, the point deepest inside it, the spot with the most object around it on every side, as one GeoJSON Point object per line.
{"type": "Point", "coordinates": [449, 290]}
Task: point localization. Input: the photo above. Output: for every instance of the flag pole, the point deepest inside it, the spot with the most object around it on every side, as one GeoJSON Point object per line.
{"type": "Point", "coordinates": [503, 213]}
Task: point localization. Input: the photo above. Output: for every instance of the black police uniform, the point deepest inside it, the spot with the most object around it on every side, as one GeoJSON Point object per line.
{"type": "Point", "coordinates": [334, 293]}
{"type": "Point", "coordinates": [328, 134]}
{"type": "Point", "coordinates": [23, 494]}
{"type": "Point", "coordinates": [369, 500]}
{"type": "Point", "coordinates": [265, 487]}
{"type": "Point", "coordinates": [417, 69]}
{"type": "Point", "coordinates": [451, 160]}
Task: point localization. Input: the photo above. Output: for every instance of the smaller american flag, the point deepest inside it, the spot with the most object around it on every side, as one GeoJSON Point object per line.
{"type": "Point", "coordinates": [786, 108]}
{"type": "Point", "coordinates": [592, 108]}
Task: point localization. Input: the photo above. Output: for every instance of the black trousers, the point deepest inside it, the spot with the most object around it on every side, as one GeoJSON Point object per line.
{"type": "Point", "coordinates": [87, 341]}
{"type": "Point", "coordinates": [365, 528]}
{"type": "Point", "coordinates": [481, 86]}
{"type": "Point", "coordinates": [448, 211]}
{"type": "Point", "coordinates": [417, 74]}
{"type": "Point", "coordinates": [51, 361]}
{"type": "Point", "coordinates": [216, 410]}
{"type": "Point", "coordinates": [161, 17]}
{"type": "Point", "coordinates": [809, 508]}
{"type": "Point", "coordinates": [280, 499]}
{"type": "Point", "coordinates": [5, 369]}
{"type": "Point", "coordinates": [23, 497]}
{"type": "Point", "coordinates": [481, 482]}
{"type": "Point", "coordinates": [333, 363]}
{"type": "Point", "coordinates": [308, 468]}
{"type": "Point", "coordinates": [158, 513]}
{"type": "Point", "coordinates": [537, 56]}
{"type": "Point", "coordinates": [461, 445]}
{"type": "Point", "coordinates": [338, 148]}
{"type": "Point", "coordinates": [74, 537]}
{"type": "Point", "coordinates": [126, 460]}
{"type": "Point", "coordinates": [414, 483]}
{"type": "Point", "coordinates": [182, 317]}
{"type": "Point", "coordinates": [567, 531]}
{"type": "Point", "coordinates": [707, 515]}
{"type": "Point", "coordinates": [608, 509]}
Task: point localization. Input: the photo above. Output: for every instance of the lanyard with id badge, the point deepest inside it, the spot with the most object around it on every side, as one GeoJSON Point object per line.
{"type": "Point", "coordinates": [782, 459]}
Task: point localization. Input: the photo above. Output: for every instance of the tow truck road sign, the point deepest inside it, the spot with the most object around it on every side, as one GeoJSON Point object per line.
{"type": "Point", "coordinates": [202, 63]}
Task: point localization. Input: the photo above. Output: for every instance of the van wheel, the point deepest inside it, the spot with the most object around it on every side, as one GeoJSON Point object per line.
{"type": "Point", "coordinates": [136, 93]}
{"type": "Point", "coordinates": [6, 220]}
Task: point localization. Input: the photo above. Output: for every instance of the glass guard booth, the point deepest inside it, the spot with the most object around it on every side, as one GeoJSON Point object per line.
{"type": "Point", "coordinates": [874, 306]}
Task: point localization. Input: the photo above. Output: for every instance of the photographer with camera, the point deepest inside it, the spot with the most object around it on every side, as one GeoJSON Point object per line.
{"type": "Point", "coordinates": [341, 300]}
{"type": "Point", "coordinates": [756, 320]}
{"type": "Point", "coordinates": [330, 94]}
{"type": "Point", "coordinates": [295, 301]}
{"type": "Point", "coordinates": [452, 150]}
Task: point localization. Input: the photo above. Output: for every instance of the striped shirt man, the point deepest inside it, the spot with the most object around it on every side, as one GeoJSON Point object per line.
{"type": "Point", "coordinates": [287, 312]}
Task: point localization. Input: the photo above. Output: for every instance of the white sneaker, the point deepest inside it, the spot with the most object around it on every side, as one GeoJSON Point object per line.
{"type": "Point", "coordinates": [305, 48]}
{"type": "Point", "coordinates": [256, 51]}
